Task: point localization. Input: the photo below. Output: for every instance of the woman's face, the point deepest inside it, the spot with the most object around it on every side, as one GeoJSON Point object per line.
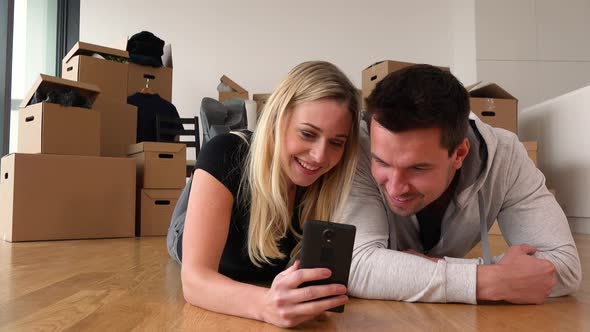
{"type": "Point", "coordinates": [314, 139]}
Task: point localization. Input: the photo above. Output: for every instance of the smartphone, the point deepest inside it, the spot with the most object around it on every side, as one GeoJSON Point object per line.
{"type": "Point", "coordinates": [328, 245]}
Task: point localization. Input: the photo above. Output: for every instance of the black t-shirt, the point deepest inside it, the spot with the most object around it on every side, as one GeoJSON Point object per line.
{"type": "Point", "coordinates": [148, 106]}
{"type": "Point", "coordinates": [224, 157]}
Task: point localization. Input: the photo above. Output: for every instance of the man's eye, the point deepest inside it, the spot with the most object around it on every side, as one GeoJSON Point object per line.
{"type": "Point", "coordinates": [379, 162]}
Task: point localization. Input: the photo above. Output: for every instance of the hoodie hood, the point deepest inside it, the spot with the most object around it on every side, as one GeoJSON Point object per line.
{"type": "Point", "coordinates": [476, 166]}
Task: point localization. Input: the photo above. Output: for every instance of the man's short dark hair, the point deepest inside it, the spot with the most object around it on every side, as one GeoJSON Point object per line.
{"type": "Point", "coordinates": [421, 97]}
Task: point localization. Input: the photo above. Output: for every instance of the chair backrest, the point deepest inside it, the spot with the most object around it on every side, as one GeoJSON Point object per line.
{"type": "Point", "coordinates": [236, 114]}
{"type": "Point", "coordinates": [217, 118]}
{"type": "Point", "coordinates": [165, 126]}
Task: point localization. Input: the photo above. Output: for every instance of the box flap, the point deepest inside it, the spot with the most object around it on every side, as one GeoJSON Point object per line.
{"type": "Point", "coordinates": [48, 83]}
{"type": "Point", "coordinates": [167, 56]}
{"type": "Point", "coordinates": [235, 86]}
{"type": "Point", "coordinates": [155, 147]}
{"type": "Point", "coordinates": [158, 194]}
{"type": "Point", "coordinates": [393, 61]}
{"type": "Point", "coordinates": [261, 96]}
{"type": "Point", "coordinates": [82, 48]}
{"type": "Point", "coordinates": [491, 90]}
{"type": "Point", "coordinates": [472, 86]}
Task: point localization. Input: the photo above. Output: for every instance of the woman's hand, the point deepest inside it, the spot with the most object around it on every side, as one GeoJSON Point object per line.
{"type": "Point", "coordinates": [285, 305]}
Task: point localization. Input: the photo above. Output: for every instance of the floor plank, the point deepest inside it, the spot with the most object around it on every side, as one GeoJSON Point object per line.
{"type": "Point", "coordinates": [131, 284]}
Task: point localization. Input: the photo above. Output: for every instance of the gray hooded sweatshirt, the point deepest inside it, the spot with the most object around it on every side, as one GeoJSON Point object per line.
{"type": "Point", "coordinates": [497, 181]}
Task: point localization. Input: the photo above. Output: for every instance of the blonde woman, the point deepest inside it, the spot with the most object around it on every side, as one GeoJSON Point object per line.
{"type": "Point", "coordinates": [240, 219]}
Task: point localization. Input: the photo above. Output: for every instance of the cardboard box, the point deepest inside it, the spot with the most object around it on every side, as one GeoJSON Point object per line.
{"type": "Point", "coordinates": [110, 76]}
{"type": "Point", "coordinates": [495, 106]}
{"type": "Point", "coordinates": [155, 207]}
{"type": "Point", "coordinates": [237, 90]}
{"type": "Point", "coordinates": [531, 149]}
{"type": "Point", "coordinates": [159, 165]}
{"type": "Point", "coordinates": [260, 99]}
{"type": "Point", "coordinates": [57, 197]}
{"type": "Point", "coordinates": [54, 129]}
{"type": "Point", "coordinates": [377, 71]}
{"type": "Point", "coordinates": [118, 128]}
{"type": "Point", "coordinates": [160, 78]}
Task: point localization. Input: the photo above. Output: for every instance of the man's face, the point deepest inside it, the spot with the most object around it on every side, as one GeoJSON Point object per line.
{"type": "Point", "coordinates": [412, 168]}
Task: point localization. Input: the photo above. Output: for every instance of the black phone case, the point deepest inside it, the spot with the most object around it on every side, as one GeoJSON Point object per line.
{"type": "Point", "coordinates": [328, 245]}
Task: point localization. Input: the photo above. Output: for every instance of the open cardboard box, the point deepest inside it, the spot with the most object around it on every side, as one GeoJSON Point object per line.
{"type": "Point", "coordinates": [260, 99]}
{"type": "Point", "coordinates": [237, 90]}
{"type": "Point", "coordinates": [494, 106]}
{"type": "Point", "coordinates": [377, 71]}
{"type": "Point", "coordinates": [59, 197]}
{"type": "Point", "coordinates": [160, 78]}
{"type": "Point", "coordinates": [55, 129]}
{"type": "Point", "coordinates": [109, 75]}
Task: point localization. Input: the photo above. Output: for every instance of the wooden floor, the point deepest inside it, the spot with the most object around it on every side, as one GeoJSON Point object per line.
{"type": "Point", "coordinates": [129, 284]}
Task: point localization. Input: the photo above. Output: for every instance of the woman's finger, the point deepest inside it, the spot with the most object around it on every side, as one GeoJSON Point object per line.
{"type": "Point", "coordinates": [315, 292]}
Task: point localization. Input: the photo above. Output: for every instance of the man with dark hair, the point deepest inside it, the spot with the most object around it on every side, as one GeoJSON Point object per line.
{"type": "Point", "coordinates": [430, 183]}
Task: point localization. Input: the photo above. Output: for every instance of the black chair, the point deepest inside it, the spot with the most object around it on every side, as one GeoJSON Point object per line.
{"type": "Point", "coordinates": [167, 127]}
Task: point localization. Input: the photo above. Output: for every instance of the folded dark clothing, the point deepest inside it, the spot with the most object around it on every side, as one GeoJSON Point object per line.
{"type": "Point", "coordinates": [145, 60]}
{"type": "Point", "coordinates": [145, 44]}
{"type": "Point", "coordinates": [65, 97]}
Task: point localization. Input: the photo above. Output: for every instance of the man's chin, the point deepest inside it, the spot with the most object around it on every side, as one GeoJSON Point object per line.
{"type": "Point", "coordinates": [402, 212]}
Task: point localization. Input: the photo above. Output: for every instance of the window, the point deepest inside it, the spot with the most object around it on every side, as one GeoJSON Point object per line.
{"type": "Point", "coordinates": [36, 36]}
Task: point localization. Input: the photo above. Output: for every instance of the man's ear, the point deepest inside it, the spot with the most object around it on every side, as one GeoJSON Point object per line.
{"type": "Point", "coordinates": [461, 153]}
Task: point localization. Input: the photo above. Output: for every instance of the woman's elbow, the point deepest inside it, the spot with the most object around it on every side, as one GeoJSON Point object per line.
{"type": "Point", "coordinates": [192, 282]}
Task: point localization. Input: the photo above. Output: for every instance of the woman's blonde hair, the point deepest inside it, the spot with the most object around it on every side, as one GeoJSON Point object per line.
{"type": "Point", "coordinates": [265, 181]}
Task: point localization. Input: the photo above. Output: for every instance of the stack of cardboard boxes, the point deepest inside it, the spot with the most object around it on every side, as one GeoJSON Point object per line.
{"type": "Point", "coordinates": [161, 169]}
{"type": "Point", "coordinates": [57, 186]}
{"type": "Point", "coordinates": [156, 162]}
{"type": "Point", "coordinates": [71, 178]}
{"type": "Point", "coordinates": [106, 68]}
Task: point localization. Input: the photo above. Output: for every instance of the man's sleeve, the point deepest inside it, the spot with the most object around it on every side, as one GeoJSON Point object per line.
{"type": "Point", "coordinates": [378, 272]}
{"type": "Point", "coordinates": [530, 214]}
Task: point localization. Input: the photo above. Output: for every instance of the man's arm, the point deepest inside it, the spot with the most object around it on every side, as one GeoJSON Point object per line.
{"type": "Point", "coordinates": [530, 214]}
{"type": "Point", "coordinates": [381, 273]}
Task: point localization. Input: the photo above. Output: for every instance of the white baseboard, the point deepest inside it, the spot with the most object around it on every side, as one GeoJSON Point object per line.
{"type": "Point", "coordinates": [579, 225]}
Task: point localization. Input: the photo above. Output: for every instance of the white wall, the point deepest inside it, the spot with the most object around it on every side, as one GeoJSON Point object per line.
{"type": "Point", "coordinates": [256, 42]}
{"type": "Point", "coordinates": [564, 150]}
{"type": "Point", "coordinates": [536, 49]}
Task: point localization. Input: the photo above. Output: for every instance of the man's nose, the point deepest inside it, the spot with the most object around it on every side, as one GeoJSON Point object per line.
{"type": "Point", "coordinates": [397, 184]}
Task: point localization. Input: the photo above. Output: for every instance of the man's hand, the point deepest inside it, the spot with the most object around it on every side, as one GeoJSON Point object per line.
{"type": "Point", "coordinates": [518, 277]}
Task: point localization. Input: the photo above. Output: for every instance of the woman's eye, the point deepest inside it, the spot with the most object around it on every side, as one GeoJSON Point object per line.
{"type": "Point", "coordinates": [338, 143]}
{"type": "Point", "coordinates": [307, 134]}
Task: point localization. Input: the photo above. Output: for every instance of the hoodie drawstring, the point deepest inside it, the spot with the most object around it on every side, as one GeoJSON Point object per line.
{"type": "Point", "coordinates": [484, 230]}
